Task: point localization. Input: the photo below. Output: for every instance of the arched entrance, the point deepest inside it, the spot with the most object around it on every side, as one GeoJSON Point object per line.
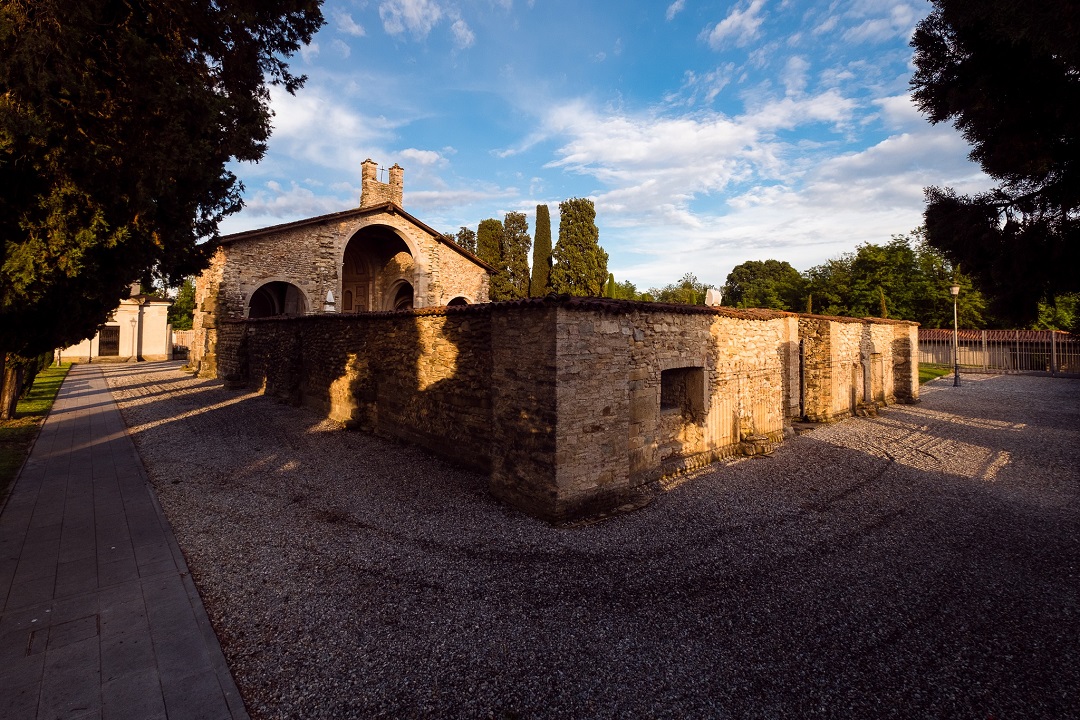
{"type": "Point", "coordinates": [457, 302]}
{"type": "Point", "coordinates": [375, 264]}
{"type": "Point", "coordinates": [277, 298]}
{"type": "Point", "coordinates": [402, 294]}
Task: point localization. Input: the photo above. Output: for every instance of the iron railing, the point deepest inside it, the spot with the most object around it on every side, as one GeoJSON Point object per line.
{"type": "Point", "coordinates": [1031, 352]}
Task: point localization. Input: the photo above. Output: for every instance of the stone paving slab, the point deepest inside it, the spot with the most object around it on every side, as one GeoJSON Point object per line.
{"type": "Point", "coordinates": [99, 617]}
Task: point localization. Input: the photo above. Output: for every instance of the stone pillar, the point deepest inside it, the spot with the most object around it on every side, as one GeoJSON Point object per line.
{"type": "Point", "coordinates": [397, 183]}
{"type": "Point", "coordinates": [369, 177]}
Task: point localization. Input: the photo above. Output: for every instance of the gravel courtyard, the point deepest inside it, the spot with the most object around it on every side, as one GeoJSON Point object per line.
{"type": "Point", "coordinates": [925, 563]}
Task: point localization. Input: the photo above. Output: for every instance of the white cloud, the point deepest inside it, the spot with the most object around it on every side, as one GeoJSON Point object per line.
{"type": "Point", "coordinates": [794, 74]}
{"type": "Point", "coordinates": [701, 87]}
{"type": "Point", "coordinates": [347, 25]}
{"type": "Point", "coordinates": [319, 126]}
{"type": "Point", "coordinates": [283, 205]}
{"type": "Point", "coordinates": [415, 16]}
{"type": "Point", "coordinates": [741, 25]}
{"type": "Point", "coordinates": [341, 47]}
{"type": "Point", "coordinates": [422, 157]}
{"type": "Point", "coordinates": [463, 36]}
{"type": "Point", "coordinates": [674, 9]}
{"type": "Point", "coordinates": [882, 22]}
{"type": "Point", "coordinates": [309, 52]}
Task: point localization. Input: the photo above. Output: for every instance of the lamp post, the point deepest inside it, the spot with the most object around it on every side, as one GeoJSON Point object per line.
{"type": "Point", "coordinates": [955, 290]}
{"type": "Point", "coordinates": [134, 344]}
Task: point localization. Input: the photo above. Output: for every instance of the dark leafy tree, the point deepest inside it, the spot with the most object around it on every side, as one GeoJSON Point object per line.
{"type": "Point", "coordinates": [626, 290]}
{"type": "Point", "coordinates": [117, 121]}
{"type": "Point", "coordinates": [688, 291]}
{"type": "Point", "coordinates": [515, 253]}
{"type": "Point", "coordinates": [907, 275]}
{"type": "Point", "coordinates": [466, 238]}
{"type": "Point", "coordinates": [540, 284]}
{"type": "Point", "coordinates": [182, 311]}
{"type": "Point", "coordinates": [1007, 75]}
{"type": "Point", "coordinates": [580, 264]}
{"type": "Point", "coordinates": [489, 248]}
{"type": "Point", "coordinates": [764, 284]}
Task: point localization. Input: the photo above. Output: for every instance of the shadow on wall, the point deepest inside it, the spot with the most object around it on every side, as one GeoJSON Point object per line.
{"type": "Point", "coordinates": [569, 405]}
{"type": "Point", "coordinates": [395, 375]}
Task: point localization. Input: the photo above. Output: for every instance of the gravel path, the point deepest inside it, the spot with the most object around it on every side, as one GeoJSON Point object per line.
{"type": "Point", "coordinates": [925, 563]}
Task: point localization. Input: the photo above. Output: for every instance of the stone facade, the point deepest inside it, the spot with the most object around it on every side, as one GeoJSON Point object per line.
{"type": "Point", "coordinates": [373, 258]}
{"type": "Point", "coordinates": [573, 406]}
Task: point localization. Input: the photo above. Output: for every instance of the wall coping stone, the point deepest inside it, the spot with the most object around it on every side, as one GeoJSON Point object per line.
{"type": "Point", "coordinates": [591, 305]}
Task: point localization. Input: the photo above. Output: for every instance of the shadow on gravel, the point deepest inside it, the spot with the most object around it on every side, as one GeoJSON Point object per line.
{"type": "Point", "coordinates": [865, 569]}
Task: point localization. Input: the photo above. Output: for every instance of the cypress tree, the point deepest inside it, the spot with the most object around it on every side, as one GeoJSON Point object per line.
{"type": "Point", "coordinates": [610, 289]}
{"type": "Point", "coordinates": [515, 256]}
{"type": "Point", "coordinates": [541, 264]}
{"type": "Point", "coordinates": [580, 264]}
{"type": "Point", "coordinates": [489, 248]}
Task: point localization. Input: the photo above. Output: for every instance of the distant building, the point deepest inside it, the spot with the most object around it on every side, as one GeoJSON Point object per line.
{"type": "Point", "coordinates": [137, 330]}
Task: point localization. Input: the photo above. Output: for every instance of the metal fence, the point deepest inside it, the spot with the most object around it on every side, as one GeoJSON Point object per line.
{"type": "Point", "coordinates": [1032, 352]}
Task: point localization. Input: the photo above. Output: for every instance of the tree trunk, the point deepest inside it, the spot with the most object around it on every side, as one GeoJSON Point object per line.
{"type": "Point", "coordinates": [10, 384]}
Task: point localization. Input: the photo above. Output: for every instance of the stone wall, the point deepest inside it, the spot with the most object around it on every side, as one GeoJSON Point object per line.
{"type": "Point", "coordinates": [572, 406]}
{"type": "Point", "coordinates": [853, 365]}
{"type": "Point", "coordinates": [422, 378]}
{"type": "Point", "coordinates": [727, 377]}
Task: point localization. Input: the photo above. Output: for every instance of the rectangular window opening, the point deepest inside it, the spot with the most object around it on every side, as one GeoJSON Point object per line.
{"type": "Point", "coordinates": [682, 390]}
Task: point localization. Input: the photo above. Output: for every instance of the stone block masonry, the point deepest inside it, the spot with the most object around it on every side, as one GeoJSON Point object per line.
{"type": "Point", "coordinates": [853, 365]}
{"type": "Point", "coordinates": [575, 406]}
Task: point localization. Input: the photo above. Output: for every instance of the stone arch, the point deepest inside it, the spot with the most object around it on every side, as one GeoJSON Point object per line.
{"type": "Point", "coordinates": [376, 259]}
{"type": "Point", "coordinates": [458, 301]}
{"type": "Point", "coordinates": [277, 297]}
{"type": "Point", "coordinates": [400, 296]}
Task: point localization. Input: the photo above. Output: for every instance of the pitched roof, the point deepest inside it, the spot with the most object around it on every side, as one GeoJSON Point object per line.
{"type": "Point", "coordinates": [389, 207]}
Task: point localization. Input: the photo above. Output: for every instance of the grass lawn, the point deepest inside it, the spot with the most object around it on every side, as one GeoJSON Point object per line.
{"type": "Point", "coordinates": [17, 435]}
{"type": "Point", "coordinates": [929, 372]}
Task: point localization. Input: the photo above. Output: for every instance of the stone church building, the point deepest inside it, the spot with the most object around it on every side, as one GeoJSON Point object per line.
{"type": "Point", "coordinates": [376, 257]}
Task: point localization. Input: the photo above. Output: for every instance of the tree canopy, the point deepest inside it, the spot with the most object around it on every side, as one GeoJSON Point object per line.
{"type": "Point", "coordinates": [688, 291]}
{"type": "Point", "coordinates": [489, 248]}
{"type": "Point", "coordinates": [182, 310]}
{"type": "Point", "coordinates": [466, 238]}
{"type": "Point", "coordinates": [580, 264]}
{"type": "Point", "coordinates": [764, 284]}
{"type": "Point", "coordinates": [1007, 75]}
{"type": "Point", "coordinates": [515, 256]}
{"type": "Point", "coordinates": [117, 121]}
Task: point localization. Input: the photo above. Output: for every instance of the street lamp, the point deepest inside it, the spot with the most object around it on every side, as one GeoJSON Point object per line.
{"type": "Point", "coordinates": [134, 344]}
{"type": "Point", "coordinates": [955, 290]}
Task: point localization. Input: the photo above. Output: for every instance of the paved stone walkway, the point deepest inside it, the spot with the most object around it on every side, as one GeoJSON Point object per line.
{"type": "Point", "coordinates": [98, 615]}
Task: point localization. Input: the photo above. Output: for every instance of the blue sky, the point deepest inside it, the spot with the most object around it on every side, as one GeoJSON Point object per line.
{"type": "Point", "coordinates": [707, 133]}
